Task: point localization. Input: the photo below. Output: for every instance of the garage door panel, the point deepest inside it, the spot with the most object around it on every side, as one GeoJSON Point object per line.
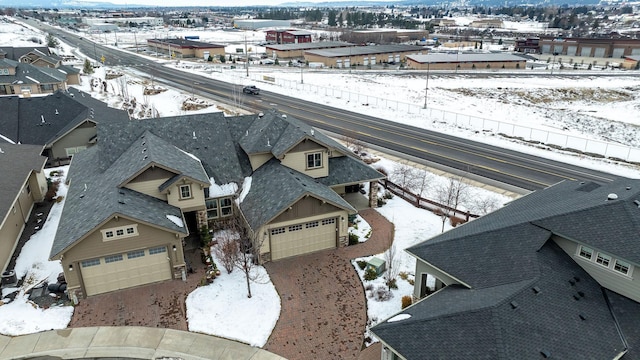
{"type": "Point", "coordinates": [132, 270]}
{"type": "Point", "coordinates": [303, 238]}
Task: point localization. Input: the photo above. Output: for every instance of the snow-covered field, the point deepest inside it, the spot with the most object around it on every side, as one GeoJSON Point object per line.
{"type": "Point", "coordinates": [603, 108]}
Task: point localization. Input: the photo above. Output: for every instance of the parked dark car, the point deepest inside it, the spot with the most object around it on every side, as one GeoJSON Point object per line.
{"type": "Point", "coordinates": [251, 89]}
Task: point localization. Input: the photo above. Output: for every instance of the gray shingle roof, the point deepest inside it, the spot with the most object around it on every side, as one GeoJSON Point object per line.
{"type": "Point", "coordinates": [627, 313]}
{"type": "Point", "coordinates": [149, 149]}
{"type": "Point", "coordinates": [347, 170]}
{"type": "Point", "coordinates": [21, 119]}
{"type": "Point", "coordinates": [86, 209]}
{"type": "Point", "coordinates": [15, 53]}
{"type": "Point", "coordinates": [213, 144]}
{"type": "Point", "coordinates": [16, 163]}
{"type": "Point", "coordinates": [512, 321]}
{"type": "Point", "coordinates": [275, 187]}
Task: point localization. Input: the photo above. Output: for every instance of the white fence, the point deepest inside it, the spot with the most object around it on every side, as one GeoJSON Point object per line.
{"type": "Point", "coordinates": [603, 148]}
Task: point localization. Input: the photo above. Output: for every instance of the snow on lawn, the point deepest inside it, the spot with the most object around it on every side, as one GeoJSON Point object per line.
{"type": "Point", "coordinates": [223, 309]}
{"type": "Point", "coordinates": [361, 229]}
{"type": "Point", "coordinates": [21, 316]}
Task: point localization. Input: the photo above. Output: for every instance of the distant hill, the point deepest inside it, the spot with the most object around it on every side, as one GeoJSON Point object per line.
{"type": "Point", "coordinates": [65, 4]}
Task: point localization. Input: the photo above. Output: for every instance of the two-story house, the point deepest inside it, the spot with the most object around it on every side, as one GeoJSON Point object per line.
{"type": "Point", "coordinates": [147, 184]}
{"type": "Point", "coordinates": [550, 275]}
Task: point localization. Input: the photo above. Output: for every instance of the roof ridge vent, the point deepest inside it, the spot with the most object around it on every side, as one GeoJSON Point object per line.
{"type": "Point", "coordinates": [612, 196]}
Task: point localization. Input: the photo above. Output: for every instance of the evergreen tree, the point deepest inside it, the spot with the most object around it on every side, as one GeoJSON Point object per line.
{"type": "Point", "coordinates": [87, 68]}
{"type": "Point", "coordinates": [51, 40]}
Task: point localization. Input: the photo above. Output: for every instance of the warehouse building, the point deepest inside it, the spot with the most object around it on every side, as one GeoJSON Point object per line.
{"type": "Point", "coordinates": [599, 48]}
{"type": "Point", "coordinates": [362, 55]}
{"type": "Point", "coordinates": [465, 61]}
{"type": "Point", "coordinates": [292, 51]}
{"type": "Point", "coordinates": [288, 36]}
{"type": "Point", "coordinates": [181, 48]}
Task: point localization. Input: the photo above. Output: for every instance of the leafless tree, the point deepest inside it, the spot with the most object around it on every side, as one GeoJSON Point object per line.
{"type": "Point", "coordinates": [247, 258]}
{"type": "Point", "coordinates": [392, 260]}
{"type": "Point", "coordinates": [485, 205]}
{"type": "Point", "coordinates": [422, 179]}
{"type": "Point", "coordinates": [226, 249]}
{"type": "Point", "coordinates": [353, 143]}
{"type": "Point", "coordinates": [404, 175]}
{"type": "Point", "coordinates": [451, 194]}
{"type": "Point", "coordinates": [237, 97]}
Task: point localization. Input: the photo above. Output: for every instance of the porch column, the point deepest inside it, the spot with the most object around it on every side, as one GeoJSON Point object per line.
{"type": "Point", "coordinates": [373, 194]}
{"type": "Point", "coordinates": [201, 218]}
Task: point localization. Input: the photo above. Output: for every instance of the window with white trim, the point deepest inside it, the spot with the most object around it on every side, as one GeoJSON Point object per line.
{"type": "Point", "coordinates": [586, 252]}
{"type": "Point", "coordinates": [185, 191]}
{"type": "Point", "coordinates": [622, 267]}
{"type": "Point", "coordinates": [314, 160]}
{"type": "Point", "coordinates": [120, 232]}
{"type": "Point", "coordinates": [603, 259]}
{"type": "Point", "coordinates": [217, 208]}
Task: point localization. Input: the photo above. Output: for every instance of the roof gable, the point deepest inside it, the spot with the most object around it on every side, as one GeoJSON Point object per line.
{"type": "Point", "coordinates": [274, 188]}
{"type": "Point", "coordinates": [17, 162]}
{"type": "Point", "coordinates": [517, 320]}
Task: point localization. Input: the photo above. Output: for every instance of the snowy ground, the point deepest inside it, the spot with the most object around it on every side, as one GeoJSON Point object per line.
{"type": "Point", "coordinates": [597, 107]}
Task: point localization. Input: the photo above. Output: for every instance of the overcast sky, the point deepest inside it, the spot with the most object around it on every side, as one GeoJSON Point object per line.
{"type": "Point", "coordinates": [203, 2]}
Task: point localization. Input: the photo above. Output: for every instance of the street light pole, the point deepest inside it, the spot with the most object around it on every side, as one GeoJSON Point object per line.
{"type": "Point", "coordinates": [554, 61]}
{"type": "Point", "coordinates": [301, 79]}
{"type": "Point", "coordinates": [193, 94]}
{"type": "Point", "coordinates": [246, 53]}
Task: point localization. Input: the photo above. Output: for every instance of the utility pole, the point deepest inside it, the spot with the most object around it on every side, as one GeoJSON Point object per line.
{"type": "Point", "coordinates": [301, 79]}
{"type": "Point", "coordinates": [135, 38]}
{"type": "Point", "coordinates": [426, 89]}
{"type": "Point", "coordinates": [246, 54]}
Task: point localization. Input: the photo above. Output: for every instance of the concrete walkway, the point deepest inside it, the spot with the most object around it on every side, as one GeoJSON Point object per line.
{"type": "Point", "coordinates": [324, 310]}
{"type": "Point", "coordinates": [127, 342]}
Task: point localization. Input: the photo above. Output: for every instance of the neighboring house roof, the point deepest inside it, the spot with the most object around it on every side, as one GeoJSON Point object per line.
{"type": "Point", "coordinates": [520, 320]}
{"type": "Point", "coordinates": [514, 248]}
{"type": "Point", "coordinates": [16, 163]}
{"type": "Point", "coordinates": [42, 120]}
{"type": "Point", "coordinates": [15, 53]}
{"type": "Point", "coordinates": [30, 74]}
{"type": "Point", "coordinates": [93, 198]}
{"type": "Point", "coordinates": [275, 187]}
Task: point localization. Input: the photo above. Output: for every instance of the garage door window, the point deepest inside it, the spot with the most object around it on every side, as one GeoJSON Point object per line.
{"type": "Point", "coordinates": [157, 250]}
{"type": "Point", "coordinates": [277, 231]}
{"type": "Point", "coordinates": [135, 254]}
{"type": "Point", "coordinates": [112, 258]}
{"type": "Point", "coordinates": [328, 221]}
{"type": "Point", "coordinates": [311, 224]}
{"type": "Point", "coordinates": [89, 263]}
{"type": "Point", "coordinates": [295, 227]}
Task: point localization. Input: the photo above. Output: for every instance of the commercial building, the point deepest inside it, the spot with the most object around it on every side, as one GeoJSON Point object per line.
{"type": "Point", "coordinates": [292, 51]}
{"type": "Point", "coordinates": [465, 61]}
{"type": "Point", "coordinates": [288, 36]}
{"type": "Point", "coordinates": [362, 55]}
{"type": "Point", "coordinates": [181, 48]}
{"type": "Point", "coordinates": [587, 47]}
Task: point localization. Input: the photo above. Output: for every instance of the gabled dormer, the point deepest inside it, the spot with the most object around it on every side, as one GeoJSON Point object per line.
{"type": "Point", "coordinates": [296, 144]}
{"type": "Point", "coordinates": [154, 167]}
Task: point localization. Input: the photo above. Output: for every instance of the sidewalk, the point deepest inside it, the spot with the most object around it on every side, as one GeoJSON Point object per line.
{"type": "Point", "coordinates": [127, 342]}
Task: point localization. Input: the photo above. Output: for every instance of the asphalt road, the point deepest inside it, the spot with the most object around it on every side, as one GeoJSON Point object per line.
{"type": "Point", "coordinates": [475, 159]}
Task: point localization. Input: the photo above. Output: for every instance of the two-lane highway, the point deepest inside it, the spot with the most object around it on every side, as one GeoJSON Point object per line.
{"type": "Point", "coordinates": [502, 165]}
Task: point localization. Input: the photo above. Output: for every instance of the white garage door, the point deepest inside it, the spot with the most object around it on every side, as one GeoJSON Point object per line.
{"type": "Point", "coordinates": [125, 270]}
{"type": "Point", "coordinates": [303, 238]}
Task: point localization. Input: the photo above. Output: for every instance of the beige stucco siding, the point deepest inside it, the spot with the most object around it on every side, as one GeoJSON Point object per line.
{"type": "Point", "coordinates": [78, 137]}
{"type": "Point", "coordinates": [195, 202]}
{"type": "Point", "coordinates": [150, 188]}
{"type": "Point", "coordinates": [298, 162]}
{"type": "Point", "coordinates": [258, 160]}
{"type": "Point", "coordinates": [13, 224]}
{"type": "Point", "coordinates": [628, 286]}
{"type": "Point", "coordinates": [93, 246]}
